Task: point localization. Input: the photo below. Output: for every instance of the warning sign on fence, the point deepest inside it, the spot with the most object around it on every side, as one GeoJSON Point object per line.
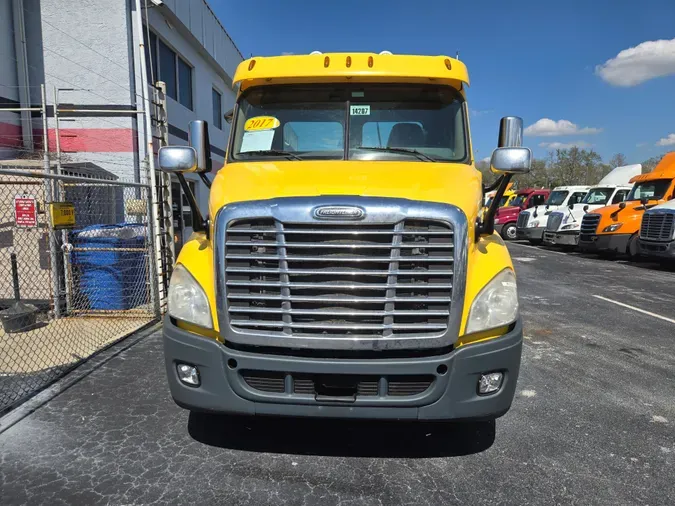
{"type": "Point", "coordinates": [25, 211]}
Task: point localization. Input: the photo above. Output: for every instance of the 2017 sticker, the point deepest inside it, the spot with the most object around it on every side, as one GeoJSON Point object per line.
{"type": "Point", "coordinates": [261, 123]}
{"type": "Point", "coordinates": [359, 110]}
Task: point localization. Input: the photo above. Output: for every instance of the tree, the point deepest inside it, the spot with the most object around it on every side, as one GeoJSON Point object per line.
{"type": "Point", "coordinates": [649, 164]}
{"type": "Point", "coordinates": [618, 160]}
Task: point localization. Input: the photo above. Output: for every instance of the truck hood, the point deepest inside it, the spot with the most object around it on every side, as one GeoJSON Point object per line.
{"type": "Point", "coordinates": [503, 212]}
{"type": "Point", "coordinates": [449, 183]}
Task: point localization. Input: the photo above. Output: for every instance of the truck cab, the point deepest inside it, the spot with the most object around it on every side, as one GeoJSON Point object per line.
{"type": "Point", "coordinates": [532, 223]}
{"type": "Point", "coordinates": [562, 227]}
{"type": "Point", "coordinates": [343, 270]}
{"type": "Point", "coordinates": [614, 229]}
{"type": "Point", "coordinates": [508, 197]}
{"type": "Point", "coordinates": [507, 217]}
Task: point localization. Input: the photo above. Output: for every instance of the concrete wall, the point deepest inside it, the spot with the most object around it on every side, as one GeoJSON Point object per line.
{"type": "Point", "coordinates": [10, 125]}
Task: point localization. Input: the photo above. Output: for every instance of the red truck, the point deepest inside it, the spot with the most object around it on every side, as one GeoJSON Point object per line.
{"type": "Point", "coordinates": [506, 217]}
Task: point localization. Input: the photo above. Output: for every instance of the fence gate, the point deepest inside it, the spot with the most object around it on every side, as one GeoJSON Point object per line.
{"type": "Point", "coordinates": [77, 273]}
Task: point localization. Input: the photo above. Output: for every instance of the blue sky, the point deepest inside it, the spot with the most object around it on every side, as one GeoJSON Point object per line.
{"type": "Point", "coordinates": [533, 58]}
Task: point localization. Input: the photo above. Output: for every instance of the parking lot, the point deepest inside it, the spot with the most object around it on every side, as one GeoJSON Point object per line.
{"type": "Point", "coordinates": [593, 421]}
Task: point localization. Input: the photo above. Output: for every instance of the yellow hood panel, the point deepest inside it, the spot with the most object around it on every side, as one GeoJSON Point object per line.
{"type": "Point", "coordinates": [450, 183]}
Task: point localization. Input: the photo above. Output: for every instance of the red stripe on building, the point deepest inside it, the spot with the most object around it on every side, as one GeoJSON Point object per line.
{"type": "Point", "coordinates": [95, 140]}
{"type": "Point", "coordinates": [10, 135]}
{"type": "Point", "coordinates": [74, 140]}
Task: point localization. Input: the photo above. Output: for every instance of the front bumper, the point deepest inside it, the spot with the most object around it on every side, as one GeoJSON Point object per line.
{"type": "Point", "coordinates": [531, 234]}
{"type": "Point", "coordinates": [658, 249]}
{"type": "Point", "coordinates": [605, 242]}
{"type": "Point", "coordinates": [562, 238]}
{"type": "Point", "coordinates": [452, 393]}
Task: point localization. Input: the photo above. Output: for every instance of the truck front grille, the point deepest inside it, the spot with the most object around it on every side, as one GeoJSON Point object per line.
{"type": "Point", "coordinates": [657, 226]}
{"type": "Point", "coordinates": [589, 226]}
{"type": "Point", "coordinates": [522, 220]}
{"type": "Point", "coordinates": [314, 384]}
{"type": "Point", "coordinates": [554, 222]}
{"type": "Point", "coordinates": [339, 280]}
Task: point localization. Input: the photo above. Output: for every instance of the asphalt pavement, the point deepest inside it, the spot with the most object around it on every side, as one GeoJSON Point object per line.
{"type": "Point", "coordinates": [593, 421]}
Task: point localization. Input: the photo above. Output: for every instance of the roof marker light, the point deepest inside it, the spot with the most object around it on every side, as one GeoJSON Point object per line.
{"type": "Point", "coordinates": [349, 61]}
{"type": "Point", "coordinates": [326, 61]}
{"type": "Point", "coordinates": [448, 63]}
{"type": "Point", "coordinates": [251, 65]}
{"type": "Point", "coordinates": [370, 61]}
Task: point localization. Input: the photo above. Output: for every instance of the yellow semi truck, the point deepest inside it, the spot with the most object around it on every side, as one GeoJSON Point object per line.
{"type": "Point", "coordinates": [343, 269]}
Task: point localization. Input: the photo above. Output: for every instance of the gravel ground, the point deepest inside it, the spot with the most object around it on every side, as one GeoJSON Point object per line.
{"type": "Point", "coordinates": [593, 421]}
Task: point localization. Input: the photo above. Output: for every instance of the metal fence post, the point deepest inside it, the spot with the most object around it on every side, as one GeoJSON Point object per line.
{"type": "Point", "coordinates": [56, 287]}
{"type": "Point", "coordinates": [152, 235]}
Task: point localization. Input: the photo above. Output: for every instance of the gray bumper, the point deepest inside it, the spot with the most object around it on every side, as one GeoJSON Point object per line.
{"type": "Point", "coordinates": [531, 234]}
{"type": "Point", "coordinates": [451, 395]}
{"type": "Point", "coordinates": [657, 249]}
{"type": "Point", "coordinates": [561, 238]}
{"type": "Point", "coordinates": [605, 243]}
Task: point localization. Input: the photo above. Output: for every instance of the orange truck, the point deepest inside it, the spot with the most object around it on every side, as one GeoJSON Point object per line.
{"type": "Point", "coordinates": [615, 228]}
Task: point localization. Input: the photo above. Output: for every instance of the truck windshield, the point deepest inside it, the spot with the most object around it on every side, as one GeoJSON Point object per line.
{"type": "Point", "coordinates": [519, 200]}
{"type": "Point", "coordinates": [655, 190]}
{"type": "Point", "coordinates": [598, 196]}
{"type": "Point", "coordinates": [556, 198]}
{"type": "Point", "coordinates": [374, 121]}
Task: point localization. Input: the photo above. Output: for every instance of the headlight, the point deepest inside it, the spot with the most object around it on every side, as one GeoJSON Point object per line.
{"type": "Point", "coordinates": [187, 300]}
{"type": "Point", "coordinates": [533, 224]}
{"type": "Point", "coordinates": [612, 228]}
{"type": "Point", "coordinates": [570, 226]}
{"type": "Point", "coordinates": [496, 305]}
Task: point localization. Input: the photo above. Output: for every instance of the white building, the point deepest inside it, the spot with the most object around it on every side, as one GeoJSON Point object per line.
{"type": "Point", "coordinates": [87, 55]}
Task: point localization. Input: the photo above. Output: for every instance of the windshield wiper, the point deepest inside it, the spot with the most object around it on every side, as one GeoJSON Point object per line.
{"type": "Point", "coordinates": [276, 152]}
{"type": "Point", "coordinates": [418, 154]}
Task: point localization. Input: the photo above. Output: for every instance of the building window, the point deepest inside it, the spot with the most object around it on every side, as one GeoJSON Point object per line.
{"type": "Point", "coordinates": [184, 83]}
{"type": "Point", "coordinates": [217, 103]}
{"type": "Point", "coordinates": [167, 66]}
{"type": "Point", "coordinates": [167, 70]}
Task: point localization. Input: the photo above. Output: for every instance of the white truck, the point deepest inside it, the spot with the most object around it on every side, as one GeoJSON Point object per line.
{"type": "Point", "coordinates": [657, 231]}
{"type": "Point", "coordinates": [563, 226]}
{"type": "Point", "coordinates": [532, 223]}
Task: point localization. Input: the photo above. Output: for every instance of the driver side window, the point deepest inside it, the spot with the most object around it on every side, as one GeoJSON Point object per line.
{"type": "Point", "coordinates": [620, 196]}
{"type": "Point", "coordinates": [537, 200]}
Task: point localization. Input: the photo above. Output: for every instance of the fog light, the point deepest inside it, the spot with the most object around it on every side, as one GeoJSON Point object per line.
{"type": "Point", "coordinates": [490, 382]}
{"type": "Point", "coordinates": [188, 374]}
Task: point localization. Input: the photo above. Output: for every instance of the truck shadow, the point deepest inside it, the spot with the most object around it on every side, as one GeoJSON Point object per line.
{"type": "Point", "coordinates": [342, 438]}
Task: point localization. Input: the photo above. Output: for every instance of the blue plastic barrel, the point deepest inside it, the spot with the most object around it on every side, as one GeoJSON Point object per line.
{"type": "Point", "coordinates": [107, 277]}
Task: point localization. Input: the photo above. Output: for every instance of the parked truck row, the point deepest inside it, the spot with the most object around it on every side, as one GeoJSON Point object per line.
{"type": "Point", "coordinates": [626, 213]}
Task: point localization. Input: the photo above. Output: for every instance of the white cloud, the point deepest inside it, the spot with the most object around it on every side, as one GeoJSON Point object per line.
{"type": "Point", "coordinates": [546, 127]}
{"type": "Point", "coordinates": [564, 145]}
{"type": "Point", "coordinates": [486, 159]}
{"type": "Point", "coordinates": [667, 141]}
{"type": "Point", "coordinates": [635, 65]}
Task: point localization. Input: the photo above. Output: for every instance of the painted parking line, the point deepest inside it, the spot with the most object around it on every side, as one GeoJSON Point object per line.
{"type": "Point", "coordinates": [628, 306]}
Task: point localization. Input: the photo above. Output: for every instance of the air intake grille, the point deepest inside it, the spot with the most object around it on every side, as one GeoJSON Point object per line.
{"type": "Point", "coordinates": [554, 222]}
{"type": "Point", "coordinates": [589, 226]}
{"type": "Point", "coordinates": [522, 220]}
{"type": "Point", "coordinates": [335, 280]}
{"type": "Point", "coordinates": [657, 226]}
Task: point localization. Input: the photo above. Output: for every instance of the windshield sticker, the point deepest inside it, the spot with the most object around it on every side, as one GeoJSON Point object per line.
{"type": "Point", "coordinates": [359, 110]}
{"type": "Point", "coordinates": [261, 123]}
{"type": "Point", "coordinates": [358, 94]}
{"type": "Point", "coordinates": [259, 140]}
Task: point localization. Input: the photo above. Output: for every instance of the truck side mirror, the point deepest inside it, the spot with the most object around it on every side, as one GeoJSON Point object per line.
{"type": "Point", "coordinates": [511, 161]}
{"type": "Point", "coordinates": [622, 205]}
{"type": "Point", "coordinates": [571, 205]}
{"type": "Point", "coordinates": [198, 138]}
{"type": "Point", "coordinates": [585, 209]}
{"type": "Point", "coordinates": [177, 159]}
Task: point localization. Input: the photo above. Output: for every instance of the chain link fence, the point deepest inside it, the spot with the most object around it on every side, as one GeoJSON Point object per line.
{"type": "Point", "coordinates": [77, 273]}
